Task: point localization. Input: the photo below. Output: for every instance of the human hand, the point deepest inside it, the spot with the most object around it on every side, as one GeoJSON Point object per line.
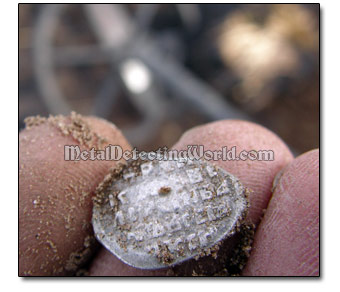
{"type": "Point", "coordinates": [55, 207]}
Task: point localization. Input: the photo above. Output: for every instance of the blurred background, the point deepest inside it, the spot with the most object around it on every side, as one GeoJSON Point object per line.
{"type": "Point", "coordinates": [156, 70]}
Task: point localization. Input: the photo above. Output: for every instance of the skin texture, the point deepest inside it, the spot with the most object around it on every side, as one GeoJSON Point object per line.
{"type": "Point", "coordinates": [287, 240]}
{"type": "Point", "coordinates": [256, 175]}
{"type": "Point", "coordinates": [55, 206]}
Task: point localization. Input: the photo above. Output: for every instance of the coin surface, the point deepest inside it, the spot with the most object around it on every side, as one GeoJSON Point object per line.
{"type": "Point", "coordinates": [155, 214]}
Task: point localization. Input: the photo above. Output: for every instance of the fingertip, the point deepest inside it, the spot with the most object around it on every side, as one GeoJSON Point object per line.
{"type": "Point", "coordinates": [287, 239]}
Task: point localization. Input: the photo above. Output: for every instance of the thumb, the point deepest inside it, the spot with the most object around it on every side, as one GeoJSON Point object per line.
{"type": "Point", "coordinates": [55, 207]}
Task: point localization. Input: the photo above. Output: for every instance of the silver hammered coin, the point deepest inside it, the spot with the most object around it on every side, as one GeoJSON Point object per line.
{"type": "Point", "coordinates": [155, 214]}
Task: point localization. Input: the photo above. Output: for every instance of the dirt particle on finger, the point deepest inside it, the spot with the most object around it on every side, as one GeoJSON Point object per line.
{"type": "Point", "coordinates": [31, 122]}
{"type": "Point", "coordinates": [74, 125]}
{"type": "Point", "coordinates": [79, 129]}
{"type": "Point", "coordinates": [78, 259]}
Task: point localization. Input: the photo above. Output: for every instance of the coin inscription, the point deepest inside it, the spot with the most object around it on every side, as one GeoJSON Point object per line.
{"type": "Point", "coordinates": [152, 214]}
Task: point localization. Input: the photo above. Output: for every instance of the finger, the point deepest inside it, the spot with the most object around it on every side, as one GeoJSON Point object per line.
{"type": "Point", "coordinates": [256, 175]}
{"type": "Point", "coordinates": [287, 239]}
{"type": "Point", "coordinates": [55, 234]}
